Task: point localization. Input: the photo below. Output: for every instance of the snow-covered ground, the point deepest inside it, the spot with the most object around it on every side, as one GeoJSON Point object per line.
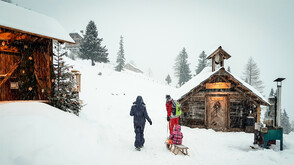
{"type": "Point", "coordinates": [38, 134]}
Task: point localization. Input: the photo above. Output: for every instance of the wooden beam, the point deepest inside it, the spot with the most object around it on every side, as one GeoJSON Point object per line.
{"type": "Point", "coordinates": [211, 79]}
{"type": "Point", "coordinates": [24, 101]}
{"type": "Point", "coordinates": [39, 82]}
{"type": "Point", "coordinates": [258, 114]}
{"type": "Point", "coordinates": [224, 79]}
{"type": "Point", "coordinates": [195, 90]}
{"type": "Point", "coordinates": [222, 93]}
{"type": "Point", "coordinates": [219, 76]}
{"type": "Point", "coordinates": [9, 73]}
{"type": "Point", "coordinates": [6, 36]}
{"type": "Point", "coordinates": [184, 98]}
{"type": "Point", "coordinates": [242, 93]}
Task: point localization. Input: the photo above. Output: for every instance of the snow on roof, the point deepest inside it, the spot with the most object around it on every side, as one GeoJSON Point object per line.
{"type": "Point", "coordinates": [204, 75]}
{"type": "Point", "coordinates": [133, 67]}
{"type": "Point", "coordinates": [18, 18]}
{"type": "Point", "coordinates": [195, 81]}
{"type": "Point", "coordinates": [251, 88]}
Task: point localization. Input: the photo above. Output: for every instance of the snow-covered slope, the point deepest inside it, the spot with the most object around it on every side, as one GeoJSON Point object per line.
{"type": "Point", "coordinates": [35, 133]}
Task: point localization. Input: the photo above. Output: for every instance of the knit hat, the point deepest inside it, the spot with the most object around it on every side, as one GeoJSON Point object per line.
{"type": "Point", "coordinates": [167, 97]}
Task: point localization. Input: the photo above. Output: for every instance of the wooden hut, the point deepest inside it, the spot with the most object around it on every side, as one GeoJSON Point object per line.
{"type": "Point", "coordinates": [133, 68]}
{"type": "Point", "coordinates": [217, 99]}
{"type": "Point", "coordinates": [26, 55]}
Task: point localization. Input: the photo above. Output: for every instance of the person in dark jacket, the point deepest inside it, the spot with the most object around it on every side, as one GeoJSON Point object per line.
{"type": "Point", "coordinates": [140, 114]}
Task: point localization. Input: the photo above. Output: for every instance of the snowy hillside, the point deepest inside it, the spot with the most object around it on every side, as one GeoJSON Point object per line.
{"type": "Point", "coordinates": [38, 134]}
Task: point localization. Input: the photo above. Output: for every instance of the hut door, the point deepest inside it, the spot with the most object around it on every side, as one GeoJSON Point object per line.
{"type": "Point", "coordinates": [216, 111]}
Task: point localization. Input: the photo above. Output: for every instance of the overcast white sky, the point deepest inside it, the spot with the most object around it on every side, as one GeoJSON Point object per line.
{"type": "Point", "coordinates": [155, 31]}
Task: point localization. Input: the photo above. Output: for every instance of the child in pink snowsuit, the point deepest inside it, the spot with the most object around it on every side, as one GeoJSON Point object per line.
{"type": "Point", "coordinates": [177, 135]}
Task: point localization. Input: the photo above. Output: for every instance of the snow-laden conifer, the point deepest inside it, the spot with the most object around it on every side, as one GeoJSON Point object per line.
{"type": "Point", "coordinates": [64, 84]}
{"type": "Point", "coordinates": [91, 47]}
{"type": "Point", "coordinates": [182, 69]}
{"type": "Point", "coordinates": [120, 56]}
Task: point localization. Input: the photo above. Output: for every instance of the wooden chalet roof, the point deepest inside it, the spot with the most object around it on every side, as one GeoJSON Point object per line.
{"type": "Point", "coordinates": [219, 51]}
{"type": "Point", "coordinates": [19, 19]}
{"type": "Point", "coordinates": [206, 74]}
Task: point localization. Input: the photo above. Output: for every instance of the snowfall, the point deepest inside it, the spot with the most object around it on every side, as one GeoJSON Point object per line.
{"type": "Point", "coordinates": [38, 134]}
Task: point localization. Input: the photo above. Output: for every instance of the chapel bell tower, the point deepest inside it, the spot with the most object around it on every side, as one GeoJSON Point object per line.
{"type": "Point", "coordinates": [218, 57]}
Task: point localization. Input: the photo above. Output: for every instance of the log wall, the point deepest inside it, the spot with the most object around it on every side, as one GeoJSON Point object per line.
{"type": "Point", "coordinates": [7, 61]}
{"type": "Point", "coordinates": [194, 111]}
{"type": "Point", "coordinates": [42, 55]}
{"type": "Point", "coordinates": [236, 105]}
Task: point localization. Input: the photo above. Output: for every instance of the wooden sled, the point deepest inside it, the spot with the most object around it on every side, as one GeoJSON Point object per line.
{"type": "Point", "coordinates": [177, 148]}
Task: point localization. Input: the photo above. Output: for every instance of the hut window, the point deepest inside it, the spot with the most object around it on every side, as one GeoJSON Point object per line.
{"type": "Point", "coordinates": [13, 85]}
{"type": "Point", "coordinates": [77, 80]}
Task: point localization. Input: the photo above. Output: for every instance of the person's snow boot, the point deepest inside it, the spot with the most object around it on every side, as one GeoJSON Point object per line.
{"type": "Point", "coordinates": [138, 149]}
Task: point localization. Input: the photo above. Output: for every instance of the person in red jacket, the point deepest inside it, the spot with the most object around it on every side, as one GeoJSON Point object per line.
{"type": "Point", "coordinates": [171, 113]}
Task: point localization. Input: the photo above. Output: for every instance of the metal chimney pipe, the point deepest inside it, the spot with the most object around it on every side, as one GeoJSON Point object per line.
{"type": "Point", "coordinates": [278, 117]}
{"type": "Point", "coordinates": [278, 101]}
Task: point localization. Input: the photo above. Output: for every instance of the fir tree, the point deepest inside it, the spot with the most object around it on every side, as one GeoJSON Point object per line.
{"type": "Point", "coordinates": [272, 94]}
{"type": "Point", "coordinates": [168, 79]}
{"type": "Point", "coordinates": [285, 122]}
{"type": "Point", "coordinates": [267, 112]}
{"type": "Point", "coordinates": [120, 56]}
{"type": "Point", "coordinates": [182, 70]}
{"type": "Point", "coordinates": [251, 75]}
{"type": "Point", "coordinates": [63, 95]}
{"type": "Point", "coordinates": [91, 46]}
{"type": "Point", "coordinates": [202, 62]}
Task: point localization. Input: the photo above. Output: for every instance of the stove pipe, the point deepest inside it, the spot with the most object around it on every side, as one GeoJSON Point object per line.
{"type": "Point", "coordinates": [278, 102]}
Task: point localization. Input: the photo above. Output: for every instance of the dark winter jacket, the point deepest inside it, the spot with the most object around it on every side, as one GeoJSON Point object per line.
{"type": "Point", "coordinates": [139, 112]}
{"type": "Point", "coordinates": [177, 135]}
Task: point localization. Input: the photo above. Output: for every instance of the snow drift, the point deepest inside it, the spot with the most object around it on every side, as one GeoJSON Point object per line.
{"type": "Point", "coordinates": [36, 133]}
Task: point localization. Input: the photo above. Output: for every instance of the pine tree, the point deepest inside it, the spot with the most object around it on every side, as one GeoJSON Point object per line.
{"type": "Point", "coordinates": [202, 62]}
{"type": "Point", "coordinates": [251, 75]}
{"type": "Point", "coordinates": [91, 46]}
{"type": "Point", "coordinates": [168, 79]}
{"type": "Point", "coordinates": [120, 56]}
{"type": "Point", "coordinates": [63, 95]}
{"type": "Point", "coordinates": [285, 122]}
{"type": "Point", "coordinates": [182, 70]}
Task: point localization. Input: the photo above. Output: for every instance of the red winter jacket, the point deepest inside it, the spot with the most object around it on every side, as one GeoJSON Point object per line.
{"type": "Point", "coordinates": [170, 105]}
{"type": "Point", "coordinates": [177, 135]}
